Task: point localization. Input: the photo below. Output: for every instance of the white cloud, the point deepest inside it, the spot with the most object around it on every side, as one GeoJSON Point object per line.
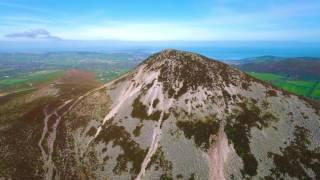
{"type": "Point", "coordinates": [33, 34]}
{"type": "Point", "coordinates": [139, 32]}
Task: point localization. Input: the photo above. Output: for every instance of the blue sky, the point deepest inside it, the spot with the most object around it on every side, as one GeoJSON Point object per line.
{"type": "Point", "coordinates": [148, 20]}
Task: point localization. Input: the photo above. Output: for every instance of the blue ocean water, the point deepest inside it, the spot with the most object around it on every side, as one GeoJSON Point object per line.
{"type": "Point", "coordinates": [216, 50]}
{"type": "Point", "coordinates": [236, 53]}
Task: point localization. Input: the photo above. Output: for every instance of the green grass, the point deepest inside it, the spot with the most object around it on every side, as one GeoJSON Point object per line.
{"type": "Point", "coordinates": [29, 80]}
{"type": "Point", "coordinates": [266, 76]}
{"type": "Point", "coordinates": [316, 92]}
{"type": "Point", "coordinates": [293, 87]}
{"type": "Point", "coordinates": [306, 88]}
{"type": "Point", "coordinates": [308, 84]}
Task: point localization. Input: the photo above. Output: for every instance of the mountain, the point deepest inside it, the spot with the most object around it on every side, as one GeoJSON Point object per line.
{"type": "Point", "coordinates": [299, 68]}
{"type": "Point", "coordinates": [177, 115]}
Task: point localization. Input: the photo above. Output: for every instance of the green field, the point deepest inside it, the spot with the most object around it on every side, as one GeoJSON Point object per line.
{"type": "Point", "coordinates": [105, 76]}
{"type": "Point", "coordinates": [266, 76]}
{"type": "Point", "coordinates": [29, 70]}
{"type": "Point", "coordinates": [316, 92]}
{"type": "Point", "coordinates": [28, 80]}
{"type": "Point", "coordinates": [32, 79]}
{"type": "Point", "coordinates": [309, 89]}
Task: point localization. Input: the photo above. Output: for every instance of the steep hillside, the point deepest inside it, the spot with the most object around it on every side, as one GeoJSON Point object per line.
{"type": "Point", "coordinates": [177, 115]}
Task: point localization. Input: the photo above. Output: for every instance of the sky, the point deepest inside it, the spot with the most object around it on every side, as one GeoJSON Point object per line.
{"type": "Point", "coordinates": [165, 20]}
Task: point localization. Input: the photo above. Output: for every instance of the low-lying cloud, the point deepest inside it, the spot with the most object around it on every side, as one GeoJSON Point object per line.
{"type": "Point", "coordinates": [33, 34]}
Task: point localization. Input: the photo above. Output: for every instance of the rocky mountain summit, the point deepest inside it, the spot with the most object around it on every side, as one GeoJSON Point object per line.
{"type": "Point", "coordinates": [177, 115]}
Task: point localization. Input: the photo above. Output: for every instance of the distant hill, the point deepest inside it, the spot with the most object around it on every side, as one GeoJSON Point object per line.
{"type": "Point", "coordinates": [297, 68]}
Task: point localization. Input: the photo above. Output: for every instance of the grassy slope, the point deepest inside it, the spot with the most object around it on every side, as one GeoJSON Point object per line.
{"type": "Point", "coordinates": [316, 92]}
{"type": "Point", "coordinates": [306, 88]}
{"type": "Point", "coordinates": [266, 76]}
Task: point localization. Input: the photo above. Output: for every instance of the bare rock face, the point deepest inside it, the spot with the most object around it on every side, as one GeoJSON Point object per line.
{"type": "Point", "coordinates": [178, 115]}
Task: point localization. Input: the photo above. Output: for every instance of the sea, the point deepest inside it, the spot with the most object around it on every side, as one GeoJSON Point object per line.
{"type": "Point", "coordinates": [221, 50]}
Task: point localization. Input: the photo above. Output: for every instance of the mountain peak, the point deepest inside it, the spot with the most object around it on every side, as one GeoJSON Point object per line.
{"type": "Point", "coordinates": [174, 55]}
{"type": "Point", "coordinates": [181, 61]}
{"type": "Point", "coordinates": [180, 72]}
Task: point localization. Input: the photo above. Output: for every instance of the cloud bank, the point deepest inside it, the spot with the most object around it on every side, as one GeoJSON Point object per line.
{"type": "Point", "coordinates": [34, 34]}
